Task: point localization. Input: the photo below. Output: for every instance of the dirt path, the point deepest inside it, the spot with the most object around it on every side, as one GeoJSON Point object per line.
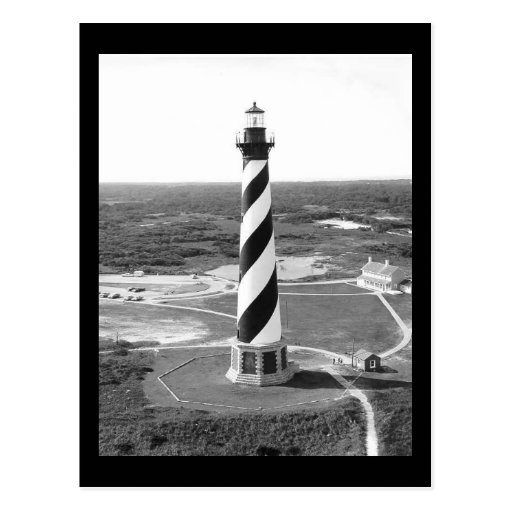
{"type": "Point", "coordinates": [372, 445]}
{"type": "Point", "coordinates": [324, 294]}
{"type": "Point", "coordinates": [211, 312]}
{"type": "Point", "coordinates": [406, 331]}
{"type": "Point", "coordinates": [312, 283]}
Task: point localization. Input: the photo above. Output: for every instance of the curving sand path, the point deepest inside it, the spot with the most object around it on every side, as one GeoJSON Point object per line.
{"type": "Point", "coordinates": [324, 294]}
{"type": "Point", "coordinates": [312, 283]}
{"type": "Point", "coordinates": [372, 445]}
{"type": "Point", "coordinates": [211, 312]}
{"type": "Point", "coordinates": [406, 331]}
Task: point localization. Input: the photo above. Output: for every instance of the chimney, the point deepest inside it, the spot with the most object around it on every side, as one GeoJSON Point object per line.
{"type": "Point", "coordinates": [369, 259]}
{"type": "Point", "coordinates": [386, 263]}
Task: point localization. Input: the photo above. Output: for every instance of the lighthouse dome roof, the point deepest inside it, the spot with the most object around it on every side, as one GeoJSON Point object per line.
{"type": "Point", "coordinates": [254, 108]}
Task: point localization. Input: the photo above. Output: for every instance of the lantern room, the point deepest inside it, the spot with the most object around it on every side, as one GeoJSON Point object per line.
{"type": "Point", "coordinates": [255, 117]}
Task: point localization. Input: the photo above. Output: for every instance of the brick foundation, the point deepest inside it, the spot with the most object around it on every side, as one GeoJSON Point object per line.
{"type": "Point", "coordinates": [260, 365]}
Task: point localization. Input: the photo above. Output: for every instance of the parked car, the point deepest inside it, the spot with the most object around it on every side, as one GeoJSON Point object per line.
{"type": "Point", "coordinates": [138, 290]}
{"type": "Point", "coordinates": [115, 296]}
{"type": "Point", "coordinates": [104, 295]}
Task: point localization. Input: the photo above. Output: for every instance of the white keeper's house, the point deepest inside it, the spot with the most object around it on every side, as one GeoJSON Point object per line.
{"type": "Point", "coordinates": [382, 277]}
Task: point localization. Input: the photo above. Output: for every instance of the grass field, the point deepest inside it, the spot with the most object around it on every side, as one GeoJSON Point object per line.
{"type": "Point", "coordinates": [203, 380]}
{"type": "Point", "coordinates": [325, 322]}
{"type": "Point", "coordinates": [129, 425]}
{"type": "Point", "coordinates": [319, 321]}
{"type": "Point", "coordinates": [333, 322]}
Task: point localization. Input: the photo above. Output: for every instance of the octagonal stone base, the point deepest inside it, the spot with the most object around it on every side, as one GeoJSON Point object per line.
{"type": "Point", "coordinates": [260, 365]}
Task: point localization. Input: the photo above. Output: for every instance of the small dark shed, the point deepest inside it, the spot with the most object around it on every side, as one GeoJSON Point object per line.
{"type": "Point", "coordinates": [367, 361]}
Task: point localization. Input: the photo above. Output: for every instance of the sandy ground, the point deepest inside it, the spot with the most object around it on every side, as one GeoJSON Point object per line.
{"type": "Point", "coordinates": [157, 330]}
{"type": "Point", "coordinates": [288, 268]}
{"type": "Point", "coordinates": [164, 332]}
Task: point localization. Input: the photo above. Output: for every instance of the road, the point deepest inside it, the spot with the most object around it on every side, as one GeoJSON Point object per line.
{"type": "Point", "coordinates": [216, 286]}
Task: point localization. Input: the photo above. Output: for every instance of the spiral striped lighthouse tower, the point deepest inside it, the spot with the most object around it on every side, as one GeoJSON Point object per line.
{"type": "Point", "coordinates": [259, 355]}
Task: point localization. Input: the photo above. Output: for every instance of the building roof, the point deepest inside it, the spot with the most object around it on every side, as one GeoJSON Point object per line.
{"type": "Point", "coordinates": [380, 268]}
{"type": "Point", "coordinates": [364, 354]}
{"type": "Point", "coordinates": [254, 108]}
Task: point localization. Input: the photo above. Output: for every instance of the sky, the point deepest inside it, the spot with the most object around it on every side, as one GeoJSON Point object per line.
{"type": "Point", "coordinates": [173, 118]}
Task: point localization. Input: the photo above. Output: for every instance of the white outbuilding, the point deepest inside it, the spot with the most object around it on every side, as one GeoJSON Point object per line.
{"type": "Point", "coordinates": [382, 277]}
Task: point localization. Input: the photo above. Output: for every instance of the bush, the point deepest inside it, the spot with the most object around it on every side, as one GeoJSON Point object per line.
{"type": "Point", "coordinates": [267, 451]}
{"type": "Point", "coordinates": [124, 448]}
{"type": "Point", "coordinates": [156, 441]}
{"type": "Point", "coordinates": [407, 252]}
{"type": "Point", "coordinates": [293, 451]}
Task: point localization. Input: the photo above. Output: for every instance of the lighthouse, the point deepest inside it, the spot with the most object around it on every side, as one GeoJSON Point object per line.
{"type": "Point", "coordinates": [259, 355]}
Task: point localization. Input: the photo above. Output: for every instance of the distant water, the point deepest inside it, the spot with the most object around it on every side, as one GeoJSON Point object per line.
{"type": "Point", "coordinates": [288, 267]}
{"type": "Point", "coordinates": [342, 224]}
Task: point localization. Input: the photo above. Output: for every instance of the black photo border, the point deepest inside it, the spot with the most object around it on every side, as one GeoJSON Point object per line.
{"type": "Point", "coordinates": [96, 39]}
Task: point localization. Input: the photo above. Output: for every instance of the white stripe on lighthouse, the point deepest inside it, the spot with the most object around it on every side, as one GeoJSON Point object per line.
{"type": "Point", "coordinates": [252, 169]}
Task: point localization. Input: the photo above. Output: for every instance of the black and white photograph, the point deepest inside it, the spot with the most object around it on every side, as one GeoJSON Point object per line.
{"type": "Point", "coordinates": [255, 241]}
{"type": "Point", "coordinates": [255, 255]}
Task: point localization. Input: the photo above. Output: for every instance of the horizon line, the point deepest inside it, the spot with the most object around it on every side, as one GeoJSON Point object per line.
{"type": "Point", "coordinates": [276, 181]}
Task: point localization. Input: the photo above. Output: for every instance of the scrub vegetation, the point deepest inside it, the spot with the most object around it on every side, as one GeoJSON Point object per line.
{"type": "Point", "coordinates": [393, 420]}
{"type": "Point", "coordinates": [184, 228]}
